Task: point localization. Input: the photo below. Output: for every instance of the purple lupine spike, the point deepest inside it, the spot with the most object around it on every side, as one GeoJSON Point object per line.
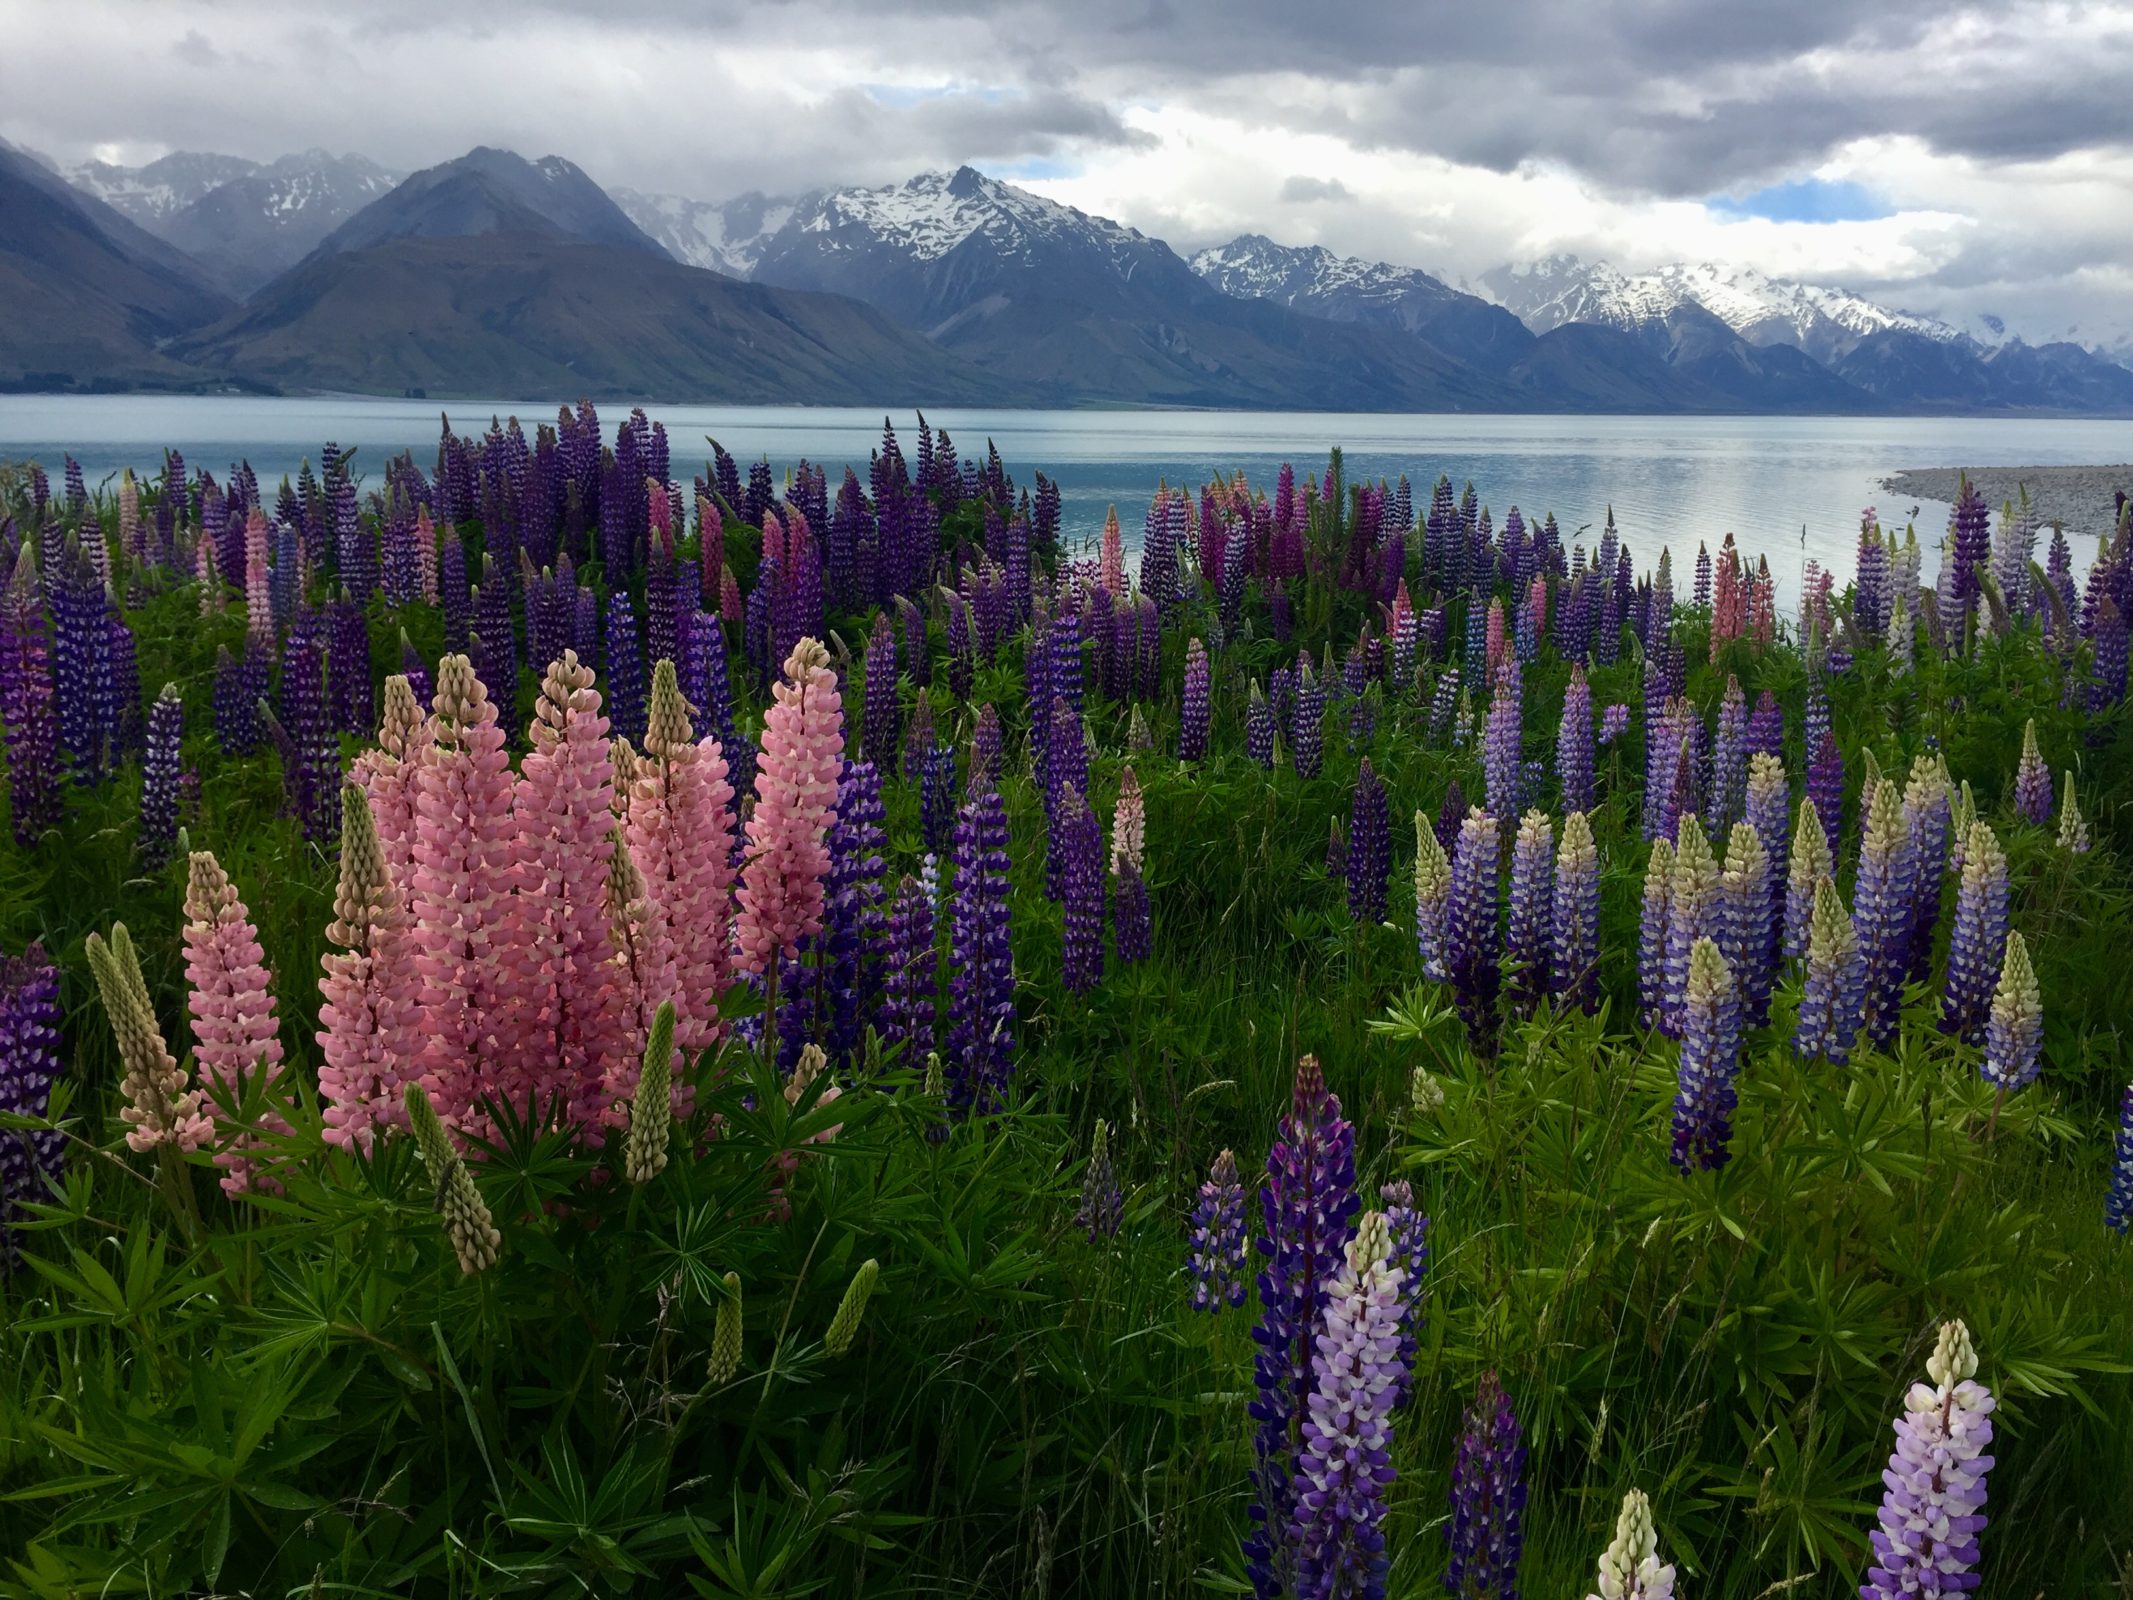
{"type": "Point", "coordinates": [1710, 1062]}
{"type": "Point", "coordinates": [1433, 891]}
{"type": "Point", "coordinates": [1926, 821]}
{"type": "Point", "coordinates": [1259, 729]}
{"type": "Point", "coordinates": [852, 909]}
{"type": "Point", "coordinates": [2014, 1035]}
{"type": "Point", "coordinates": [2118, 1199]}
{"type": "Point", "coordinates": [1102, 1202]}
{"type": "Point", "coordinates": [1307, 723]}
{"type": "Point", "coordinates": [84, 693]}
{"type": "Point", "coordinates": [1527, 941]}
{"type": "Point", "coordinates": [1369, 848]}
{"type": "Point", "coordinates": [1692, 914]}
{"type": "Point", "coordinates": [1306, 1203]}
{"type": "Point", "coordinates": [1768, 800]}
{"type": "Point", "coordinates": [1766, 727]}
{"type": "Point", "coordinates": [1346, 1465]}
{"type": "Point", "coordinates": [1067, 767]}
{"type": "Point", "coordinates": [1193, 713]}
{"type": "Point", "coordinates": [29, 716]}
{"type": "Point", "coordinates": [159, 779]}
{"type": "Point", "coordinates": [1573, 744]}
{"type": "Point", "coordinates": [1470, 932]}
{"type": "Point", "coordinates": [1574, 920]}
{"type": "Point", "coordinates": [122, 708]}
{"type": "Point", "coordinates": [1656, 921]}
{"type": "Point", "coordinates": [910, 979]}
{"type": "Point", "coordinates": [1934, 1505]}
{"type": "Point", "coordinates": [1500, 746]}
{"type": "Point", "coordinates": [625, 670]}
{"type": "Point", "coordinates": [495, 647]}
{"type": "Point", "coordinates": [981, 1007]}
{"type": "Point", "coordinates": [1336, 850]}
{"type": "Point", "coordinates": [2033, 780]}
{"type": "Point", "coordinates": [1486, 1527]}
{"type": "Point", "coordinates": [1614, 722]}
{"type": "Point", "coordinates": [1410, 1253]}
{"type": "Point", "coordinates": [1881, 909]}
{"type": "Point", "coordinates": [1217, 1255]}
{"type": "Point", "coordinates": [1825, 786]}
{"type": "Point", "coordinates": [1747, 925]}
{"type": "Point", "coordinates": [348, 667]}
{"type": "Point", "coordinates": [1834, 983]}
{"type": "Point", "coordinates": [986, 743]}
{"type": "Point", "coordinates": [1809, 861]}
{"type": "Point", "coordinates": [1729, 760]}
{"type": "Point", "coordinates": [937, 797]}
{"type": "Point", "coordinates": [29, 1066]}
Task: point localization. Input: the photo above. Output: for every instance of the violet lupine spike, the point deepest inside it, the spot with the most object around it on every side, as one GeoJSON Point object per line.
{"type": "Point", "coordinates": [1369, 848]}
{"type": "Point", "coordinates": [1217, 1254]}
{"type": "Point", "coordinates": [1102, 1204]}
{"type": "Point", "coordinates": [29, 1066]}
{"type": "Point", "coordinates": [1081, 844]}
{"type": "Point", "coordinates": [986, 745]}
{"type": "Point", "coordinates": [2118, 1198]}
{"type": "Point", "coordinates": [1692, 914]}
{"type": "Point", "coordinates": [1527, 940]}
{"type": "Point", "coordinates": [1433, 893]}
{"type": "Point", "coordinates": [1769, 797]}
{"type": "Point", "coordinates": [1194, 710]}
{"type": "Point", "coordinates": [879, 712]}
{"type": "Point", "coordinates": [1410, 1253]}
{"type": "Point", "coordinates": [1729, 760]}
{"type": "Point", "coordinates": [1881, 909]}
{"type": "Point", "coordinates": [1573, 744]}
{"type": "Point", "coordinates": [1574, 920]}
{"type": "Point", "coordinates": [1710, 1062]}
{"type": "Point", "coordinates": [1486, 1528]}
{"type": "Point", "coordinates": [1747, 921]}
{"type": "Point", "coordinates": [853, 917]}
{"type": "Point", "coordinates": [1934, 1505]}
{"type": "Point", "coordinates": [1614, 722]}
{"type": "Point", "coordinates": [1307, 736]}
{"type": "Point", "coordinates": [1500, 747]}
{"type": "Point", "coordinates": [1346, 1465]}
{"type": "Point", "coordinates": [1654, 924]}
{"type": "Point", "coordinates": [2014, 1035]}
{"type": "Point", "coordinates": [1259, 729]}
{"type": "Point", "coordinates": [1825, 786]}
{"type": "Point", "coordinates": [910, 978]}
{"type": "Point", "coordinates": [1926, 822]}
{"type": "Point", "coordinates": [1834, 982]}
{"type": "Point", "coordinates": [29, 715]}
{"type": "Point", "coordinates": [159, 779]}
{"type": "Point", "coordinates": [2033, 780]}
{"type": "Point", "coordinates": [937, 797]}
{"type": "Point", "coordinates": [1471, 954]}
{"type": "Point", "coordinates": [1809, 863]}
{"type": "Point", "coordinates": [1306, 1203]}
{"type": "Point", "coordinates": [1979, 937]}
{"type": "Point", "coordinates": [981, 1006]}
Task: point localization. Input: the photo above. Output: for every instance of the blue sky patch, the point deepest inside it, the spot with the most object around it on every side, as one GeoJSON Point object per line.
{"type": "Point", "coordinates": [1806, 200]}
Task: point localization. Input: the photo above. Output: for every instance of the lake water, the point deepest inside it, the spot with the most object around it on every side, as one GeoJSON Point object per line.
{"type": "Point", "coordinates": [1788, 487]}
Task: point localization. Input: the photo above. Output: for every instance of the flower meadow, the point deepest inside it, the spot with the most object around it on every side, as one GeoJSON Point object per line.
{"type": "Point", "coordinates": [571, 1026]}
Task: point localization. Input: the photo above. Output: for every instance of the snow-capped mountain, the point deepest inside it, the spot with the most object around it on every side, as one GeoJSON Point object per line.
{"type": "Point", "coordinates": [719, 235]}
{"type": "Point", "coordinates": [255, 226]}
{"type": "Point", "coordinates": [158, 191]}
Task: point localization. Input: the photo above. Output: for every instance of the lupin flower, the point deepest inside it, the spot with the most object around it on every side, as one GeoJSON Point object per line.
{"type": "Point", "coordinates": [1217, 1253]}
{"type": "Point", "coordinates": [1194, 711]}
{"type": "Point", "coordinates": [1810, 863]}
{"type": "Point", "coordinates": [1833, 987]}
{"type": "Point", "coordinates": [1747, 921]}
{"type": "Point", "coordinates": [369, 1024]}
{"type": "Point", "coordinates": [1979, 936]}
{"type": "Point", "coordinates": [1692, 913]}
{"type": "Point", "coordinates": [1630, 1568]}
{"type": "Point", "coordinates": [1574, 924]}
{"type": "Point", "coordinates": [1410, 1253]}
{"type": "Point", "coordinates": [2073, 827]}
{"type": "Point", "coordinates": [981, 989]}
{"type": "Point", "coordinates": [1526, 944]}
{"type": "Point", "coordinates": [1767, 799]}
{"type": "Point", "coordinates": [1653, 925]}
{"type": "Point", "coordinates": [1369, 848]}
{"type": "Point", "coordinates": [2033, 780]}
{"type": "Point", "coordinates": [2118, 1199]}
{"type": "Point", "coordinates": [796, 793]}
{"type": "Point", "coordinates": [1934, 1505]}
{"type": "Point", "coordinates": [234, 1028]}
{"type": "Point", "coordinates": [29, 1065]}
{"type": "Point", "coordinates": [1081, 892]}
{"type": "Point", "coordinates": [1881, 909]}
{"type": "Point", "coordinates": [1102, 1203]}
{"type": "Point", "coordinates": [162, 1107]}
{"type": "Point", "coordinates": [1573, 743]}
{"type": "Point", "coordinates": [725, 1358]}
{"type": "Point", "coordinates": [2014, 1037]}
{"type": "Point", "coordinates": [1306, 1204]}
{"type": "Point", "coordinates": [1471, 954]}
{"type": "Point", "coordinates": [651, 1115]}
{"type": "Point", "coordinates": [1433, 894]}
{"type": "Point", "coordinates": [1614, 722]}
{"type": "Point", "coordinates": [1500, 746]}
{"type": "Point", "coordinates": [1710, 1061]}
{"type": "Point", "coordinates": [1486, 1528]}
{"type": "Point", "coordinates": [1307, 719]}
{"type": "Point", "coordinates": [909, 983]}
{"type": "Point", "coordinates": [844, 1326]}
{"type": "Point", "coordinates": [467, 1222]}
{"type": "Point", "coordinates": [159, 778]}
{"type": "Point", "coordinates": [1825, 786]}
{"type": "Point", "coordinates": [1346, 1466]}
{"type": "Point", "coordinates": [1259, 728]}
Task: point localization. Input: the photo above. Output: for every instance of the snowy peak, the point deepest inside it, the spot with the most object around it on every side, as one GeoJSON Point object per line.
{"type": "Point", "coordinates": [1253, 267]}
{"type": "Point", "coordinates": [927, 216]}
{"type": "Point", "coordinates": [153, 193]}
{"type": "Point", "coordinates": [718, 235]}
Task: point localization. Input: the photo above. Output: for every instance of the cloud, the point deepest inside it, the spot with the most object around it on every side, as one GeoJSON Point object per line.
{"type": "Point", "coordinates": [1300, 190]}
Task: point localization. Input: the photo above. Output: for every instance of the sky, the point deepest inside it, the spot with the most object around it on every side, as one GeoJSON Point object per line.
{"type": "Point", "coordinates": [1956, 159]}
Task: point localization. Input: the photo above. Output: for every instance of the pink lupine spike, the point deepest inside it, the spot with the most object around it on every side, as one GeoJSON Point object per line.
{"type": "Point", "coordinates": [796, 801]}
{"type": "Point", "coordinates": [774, 548]}
{"type": "Point", "coordinates": [234, 1027]}
{"type": "Point", "coordinates": [386, 777]}
{"type": "Point", "coordinates": [644, 973]}
{"type": "Point", "coordinates": [426, 555]}
{"type": "Point", "coordinates": [1111, 567]}
{"type": "Point", "coordinates": [370, 1022]}
{"type": "Point", "coordinates": [680, 828]}
{"type": "Point", "coordinates": [258, 602]}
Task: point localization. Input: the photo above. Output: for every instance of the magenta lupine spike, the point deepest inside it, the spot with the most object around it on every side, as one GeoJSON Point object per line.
{"type": "Point", "coordinates": [1486, 1529]}
{"type": "Point", "coordinates": [1526, 943]}
{"type": "Point", "coordinates": [1934, 1505]}
{"type": "Point", "coordinates": [1573, 743]}
{"type": "Point", "coordinates": [2014, 1035]}
{"type": "Point", "coordinates": [1500, 746]}
{"type": "Point", "coordinates": [780, 895]}
{"type": "Point", "coordinates": [1979, 937]}
{"type": "Point", "coordinates": [1471, 953]}
{"type": "Point", "coordinates": [1710, 1062]}
{"type": "Point", "coordinates": [1306, 1203]}
{"type": "Point", "coordinates": [1834, 982]}
{"type": "Point", "coordinates": [1574, 920]}
{"type": "Point", "coordinates": [235, 1034]}
{"type": "Point", "coordinates": [1217, 1253]}
{"type": "Point", "coordinates": [1881, 909]}
{"type": "Point", "coordinates": [370, 1020]}
{"type": "Point", "coordinates": [2033, 780]}
{"type": "Point", "coordinates": [1194, 710]}
{"type": "Point", "coordinates": [1692, 914]}
{"type": "Point", "coordinates": [1346, 1466]}
{"type": "Point", "coordinates": [1747, 921]}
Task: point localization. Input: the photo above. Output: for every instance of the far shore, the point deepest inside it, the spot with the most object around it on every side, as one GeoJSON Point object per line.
{"type": "Point", "coordinates": [2078, 499]}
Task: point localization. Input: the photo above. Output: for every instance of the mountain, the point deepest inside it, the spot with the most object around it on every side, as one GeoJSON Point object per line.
{"type": "Point", "coordinates": [1314, 280]}
{"type": "Point", "coordinates": [722, 236]}
{"type": "Point", "coordinates": [152, 194]}
{"type": "Point", "coordinates": [254, 226]}
{"type": "Point", "coordinates": [488, 191]}
{"type": "Point", "coordinates": [92, 299]}
{"type": "Point", "coordinates": [1088, 309]}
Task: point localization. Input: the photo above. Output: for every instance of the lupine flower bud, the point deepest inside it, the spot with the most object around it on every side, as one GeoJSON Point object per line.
{"type": "Point", "coordinates": [844, 1326]}
{"type": "Point", "coordinates": [1710, 1061]}
{"type": "Point", "coordinates": [726, 1337]}
{"type": "Point", "coordinates": [2073, 827]}
{"type": "Point", "coordinates": [1574, 948]}
{"type": "Point", "coordinates": [467, 1222]}
{"type": "Point", "coordinates": [161, 1107]}
{"type": "Point", "coordinates": [1488, 1500]}
{"type": "Point", "coordinates": [2033, 780]}
{"type": "Point", "coordinates": [1630, 1568]}
{"type": "Point", "coordinates": [1101, 1201]}
{"type": "Point", "coordinates": [2014, 1036]}
{"type": "Point", "coordinates": [1217, 1254]}
{"type": "Point", "coordinates": [652, 1111]}
{"type": "Point", "coordinates": [1810, 863]}
{"type": "Point", "coordinates": [1934, 1505]}
{"type": "Point", "coordinates": [1433, 894]}
{"type": "Point", "coordinates": [1831, 994]}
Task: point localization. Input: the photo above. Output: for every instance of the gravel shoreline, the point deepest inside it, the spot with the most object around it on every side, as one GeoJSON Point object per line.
{"type": "Point", "coordinates": [2079, 499]}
